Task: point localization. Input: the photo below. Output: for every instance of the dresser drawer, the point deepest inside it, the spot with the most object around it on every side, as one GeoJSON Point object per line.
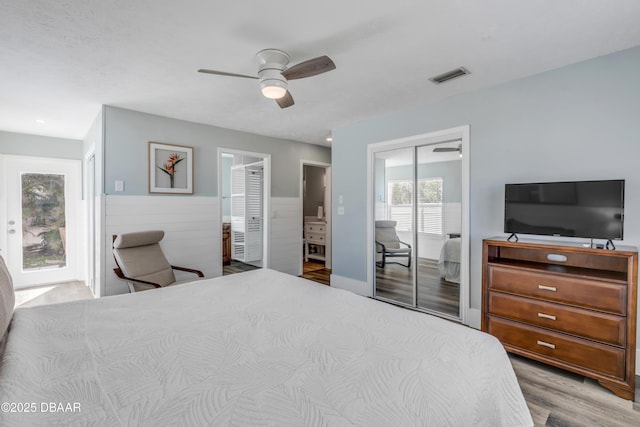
{"type": "Point", "coordinates": [607, 328]}
{"type": "Point", "coordinates": [599, 295]}
{"type": "Point", "coordinates": [315, 238]}
{"type": "Point", "coordinates": [314, 228]}
{"type": "Point", "coordinates": [586, 354]}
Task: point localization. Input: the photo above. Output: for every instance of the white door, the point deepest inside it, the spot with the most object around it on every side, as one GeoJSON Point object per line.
{"type": "Point", "coordinates": [41, 219]}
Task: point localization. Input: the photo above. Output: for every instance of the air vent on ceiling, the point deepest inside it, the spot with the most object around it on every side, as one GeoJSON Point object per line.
{"type": "Point", "coordinates": [449, 75]}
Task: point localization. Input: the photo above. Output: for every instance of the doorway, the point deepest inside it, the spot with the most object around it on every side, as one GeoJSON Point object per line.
{"type": "Point", "coordinates": [41, 219]}
{"type": "Point", "coordinates": [315, 192]}
{"type": "Point", "coordinates": [419, 224]}
{"type": "Point", "coordinates": [244, 188]}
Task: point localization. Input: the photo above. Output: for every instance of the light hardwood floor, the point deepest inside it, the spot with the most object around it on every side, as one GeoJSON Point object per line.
{"type": "Point", "coordinates": [395, 282]}
{"type": "Point", "coordinates": [556, 398]}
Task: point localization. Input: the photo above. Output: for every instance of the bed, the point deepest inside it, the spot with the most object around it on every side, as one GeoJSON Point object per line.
{"type": "Point", "coordinates": [255, 348]}
{"type": "Point", "coordinates": [449, 261]}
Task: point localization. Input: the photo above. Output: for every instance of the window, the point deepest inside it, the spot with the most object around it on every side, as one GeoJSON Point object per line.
{"type": "Point", "coordinates": [429, 210]}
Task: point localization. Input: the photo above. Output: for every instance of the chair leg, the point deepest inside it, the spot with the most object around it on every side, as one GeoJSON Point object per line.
{"type": "Point", "coordinates": [409, 263]}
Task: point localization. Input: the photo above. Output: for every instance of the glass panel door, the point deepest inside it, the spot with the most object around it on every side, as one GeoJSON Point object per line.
{"type": "Point", "coordinates": [43, 221]}
{"type": "Point", "coordinates": [394, 225]}
{"type": "Point", "coordinates": [43, 199]}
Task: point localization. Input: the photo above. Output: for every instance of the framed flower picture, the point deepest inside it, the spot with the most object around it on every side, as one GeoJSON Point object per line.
{"type": "Point", "coordinates": [170, 168]}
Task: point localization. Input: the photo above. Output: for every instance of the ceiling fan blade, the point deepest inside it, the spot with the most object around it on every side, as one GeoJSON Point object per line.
{"type": "Point", "coordinates": [309, 68]}
{"type": "Point", "coordinates": [223, 73]}
{"type": "Point", "coordinates": [285, 101]}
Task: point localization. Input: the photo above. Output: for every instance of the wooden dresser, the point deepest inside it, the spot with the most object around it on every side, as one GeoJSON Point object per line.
{"type": "Point", "coordinates": [567, 306]}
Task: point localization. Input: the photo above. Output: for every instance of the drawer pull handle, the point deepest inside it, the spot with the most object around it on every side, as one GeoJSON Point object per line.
{"type": "Point", "coordinates": [557, 258]}
{"type": "Point", "coordinates": [547, 288]}
{"type": "Point", "coordinates": [546, 344]}
{"type": "Point", "coordinates": [547, 316]}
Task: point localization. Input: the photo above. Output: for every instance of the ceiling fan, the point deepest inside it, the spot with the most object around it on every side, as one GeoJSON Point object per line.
{"type": "Point", "coordinates": [273, 73]}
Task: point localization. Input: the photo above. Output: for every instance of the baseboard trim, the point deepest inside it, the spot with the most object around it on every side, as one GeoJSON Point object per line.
{"type": "Point", "coordinates": [474, 318]}
{"type": "Point", "coordinates": [356, 286]}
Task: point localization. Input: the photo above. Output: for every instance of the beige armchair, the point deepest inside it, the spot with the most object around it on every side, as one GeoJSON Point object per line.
{"type": "Point", "coordinates": [142, 264]}
{"type": "Point", "coordinates": [388, 244]}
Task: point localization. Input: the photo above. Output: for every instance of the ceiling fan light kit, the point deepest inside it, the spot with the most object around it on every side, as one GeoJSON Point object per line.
{"type": "Point", "coordinates": [272, 63]}
{"type": "Point", "coordinates": [273, 74]}
{"type": "Point", "coordinates": [273, 89]}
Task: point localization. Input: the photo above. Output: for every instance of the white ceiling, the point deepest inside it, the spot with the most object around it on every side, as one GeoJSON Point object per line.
{"type": "Point", "coordinates": [60, 60]}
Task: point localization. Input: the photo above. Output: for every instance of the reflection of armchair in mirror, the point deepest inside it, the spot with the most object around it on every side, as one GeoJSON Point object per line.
{"type": "Point", "coordinates": [389, 245]}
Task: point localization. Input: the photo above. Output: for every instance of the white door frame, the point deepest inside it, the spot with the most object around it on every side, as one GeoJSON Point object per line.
{"type": "Point", "coordinates": [462, 133]}
{"type": "Point", "coordinates": [266, 247]}
{"type": "Point", "coordinates": [73, 193]}
{"type": "Point", "coordinates": [327, 210]}
{"type": "Point", "coordinates": [92, 240]}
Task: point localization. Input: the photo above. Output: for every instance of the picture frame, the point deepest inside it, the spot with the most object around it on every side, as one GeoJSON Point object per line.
{"type": "Point", "coordinates": [170, 168]}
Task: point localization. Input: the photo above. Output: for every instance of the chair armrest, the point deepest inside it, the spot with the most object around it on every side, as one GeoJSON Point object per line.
{"type": "Point", "coordinates": [129, 279]}
{"type": "Point", "coordinates": [381, 245]}
{"type": "Point", "coordinates": [408, 245]}
{"type": "Point", "coordinates": [188, 270]}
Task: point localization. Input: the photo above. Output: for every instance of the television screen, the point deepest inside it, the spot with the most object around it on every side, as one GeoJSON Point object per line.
{"type": "Point", "coordinates": [589, 209]}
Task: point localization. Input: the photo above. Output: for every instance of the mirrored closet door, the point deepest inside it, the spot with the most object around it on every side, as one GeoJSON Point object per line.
{"type": "Point", "coordinates": [418, 194]}
{"type": "Point", "coordinates": [394, 226]}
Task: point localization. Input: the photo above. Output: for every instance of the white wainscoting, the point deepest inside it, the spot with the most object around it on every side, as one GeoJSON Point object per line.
{"type": "Point", "coordinates": [356, 286]}
{"type": "Point", "coordinates": [286, 235]}
{"type": "Point", "coordinates": [192, 233]}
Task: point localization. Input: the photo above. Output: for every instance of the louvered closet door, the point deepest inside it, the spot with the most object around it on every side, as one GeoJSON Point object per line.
{"type": "Point", "coordinates": [247, 212]}
{"type": "Point", "coordinates": [254, 216]}
{"type": "Point", "coordinates": [238, 213]}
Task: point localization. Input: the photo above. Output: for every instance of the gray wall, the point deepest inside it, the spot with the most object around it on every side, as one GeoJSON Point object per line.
{"type": "Point", "coordinates": [314, 194]}
{"type": "Point", "coordinates": [40, 146]}
{"type": "Point", "coordinates": [577, 122]}
{"type": "Point", "coordinates": [127, 134]}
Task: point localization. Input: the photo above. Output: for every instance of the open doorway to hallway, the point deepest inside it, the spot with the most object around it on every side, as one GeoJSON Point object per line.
{"type": "Point", "coordinates": [316, 221]}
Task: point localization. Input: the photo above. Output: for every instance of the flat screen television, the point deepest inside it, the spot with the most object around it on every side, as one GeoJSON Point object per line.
{"type": "Point", "coordinates": [588, 209]}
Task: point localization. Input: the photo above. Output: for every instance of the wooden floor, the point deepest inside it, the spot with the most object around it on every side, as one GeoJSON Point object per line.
{"type": "Point", "coordinates": [395, 282]}
{"type": "Point", "coordinates": [556, 398]}
{"type": "Point", "coordinates": [237, 267]}
{"type": "Point", "coordinates": [312, 270]}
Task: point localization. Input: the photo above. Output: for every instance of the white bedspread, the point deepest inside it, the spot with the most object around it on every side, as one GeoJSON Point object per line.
{"type": "Point", "coordinates": [257, 348]}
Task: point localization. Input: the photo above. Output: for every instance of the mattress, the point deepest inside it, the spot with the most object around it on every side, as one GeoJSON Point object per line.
{"type": "Point", "coordinates": [250, 349]}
